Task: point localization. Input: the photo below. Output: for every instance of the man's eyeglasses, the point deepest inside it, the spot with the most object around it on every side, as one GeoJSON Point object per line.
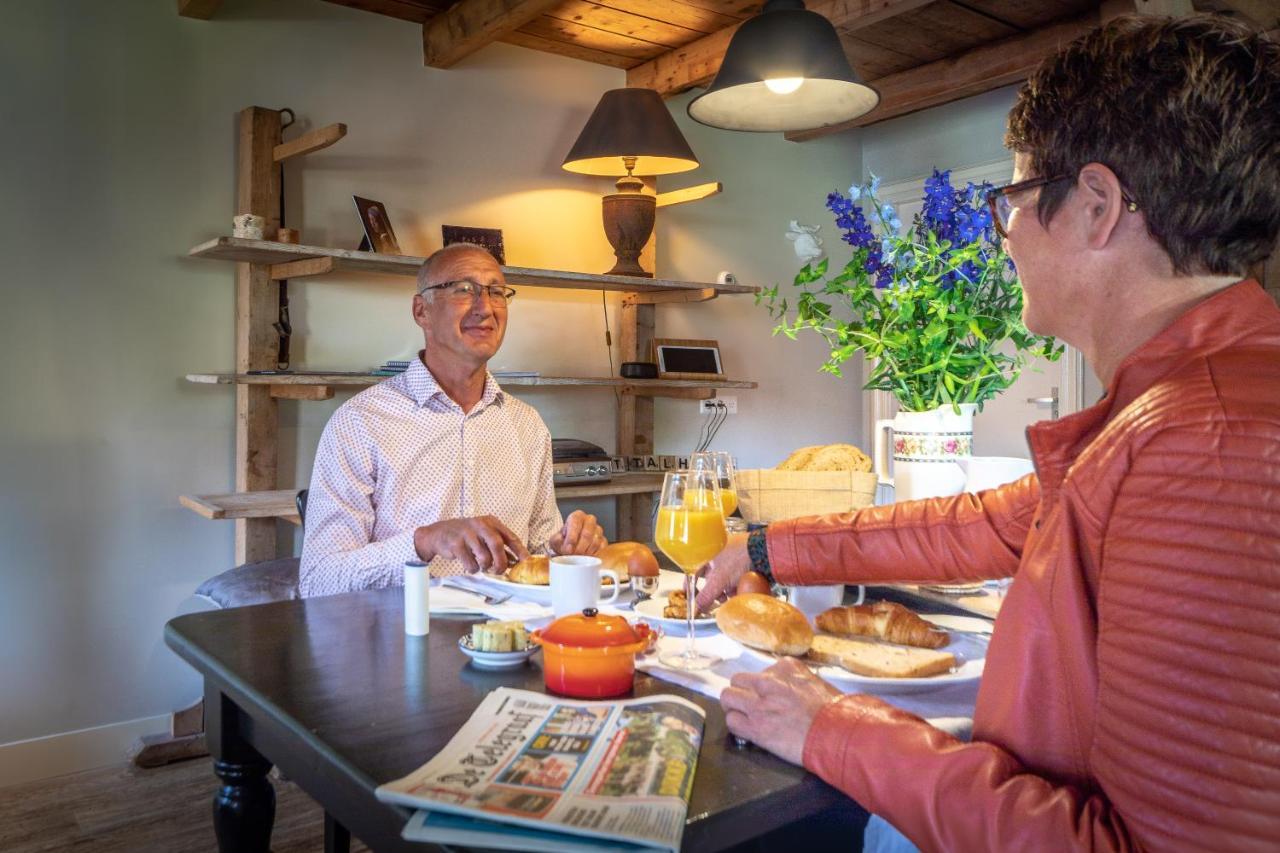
{"type": "Point", "coordinates": [466, 291]}
{"type": "Point", "coordinates": [1001, 206]}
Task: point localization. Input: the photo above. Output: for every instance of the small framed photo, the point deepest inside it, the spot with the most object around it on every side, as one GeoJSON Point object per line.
{"type": "Point", "coordinates": [687, 359]}
{"type": "Point", "coordinates": [488, 238]}
{"type": "Point", "coordinates": [378, 234]}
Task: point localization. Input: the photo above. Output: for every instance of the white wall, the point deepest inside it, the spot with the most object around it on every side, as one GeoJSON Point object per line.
{"type": "Point", "coordinates": [768, 181]}
{"type": "Point", "coordinates": [118, 154]}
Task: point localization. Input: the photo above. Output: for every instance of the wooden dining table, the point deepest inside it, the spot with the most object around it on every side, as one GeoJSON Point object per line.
{"type": "Point", "coordinates": [336, 695]}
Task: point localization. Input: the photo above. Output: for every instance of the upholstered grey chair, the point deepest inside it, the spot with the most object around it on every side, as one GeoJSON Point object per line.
{"type": "Point", "coordinates": [256, 583]}
{"type": "Point", "coordinates": [252, 583]}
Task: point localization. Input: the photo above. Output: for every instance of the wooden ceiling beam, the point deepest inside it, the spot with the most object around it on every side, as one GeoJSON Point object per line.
{"type": "Point", "coordinates": [471, 24]}
{"type": "Point", "coordinates": [696, 63]}
{"type": "Point", "coordinates": [972, 73]}
{"type": "Point", "coordinates": [200, 9]}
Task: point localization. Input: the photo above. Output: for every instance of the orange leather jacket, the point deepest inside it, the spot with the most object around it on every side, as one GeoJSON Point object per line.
{"type": "Point", "coordinates": [1131, 697]}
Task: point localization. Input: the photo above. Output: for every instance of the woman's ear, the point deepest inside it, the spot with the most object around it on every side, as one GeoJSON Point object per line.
{"type": "Point", "coordinates": [1099, 203]}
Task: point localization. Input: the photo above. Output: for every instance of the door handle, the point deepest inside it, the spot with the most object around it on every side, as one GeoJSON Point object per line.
{"type": "Point", "coordinates": [1051, 402]}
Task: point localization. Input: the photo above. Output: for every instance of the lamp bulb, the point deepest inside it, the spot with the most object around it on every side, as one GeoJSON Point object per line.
{"type": "Point", "coordinates": [784, 85]}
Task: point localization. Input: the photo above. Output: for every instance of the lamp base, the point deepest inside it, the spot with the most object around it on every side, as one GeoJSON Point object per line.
{"type": "Point", "coordinates": [628, 222]}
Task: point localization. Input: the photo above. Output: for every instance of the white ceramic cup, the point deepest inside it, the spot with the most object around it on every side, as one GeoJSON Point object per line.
{"type": "Point", "coordinates": [575, 584]}
{"type": "Point", "coordinates": [812, 600]}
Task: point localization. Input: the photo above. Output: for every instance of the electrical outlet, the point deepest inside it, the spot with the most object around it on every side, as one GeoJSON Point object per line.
{"type": "Point", "coordinates": [706, 407]}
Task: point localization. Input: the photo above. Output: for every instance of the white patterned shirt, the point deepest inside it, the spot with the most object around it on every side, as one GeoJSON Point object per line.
{"type": "Point", "coordinates": [403, 454]}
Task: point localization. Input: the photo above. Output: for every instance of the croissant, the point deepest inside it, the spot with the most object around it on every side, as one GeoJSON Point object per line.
{"type": "Point", "coordinates": [883, 620]}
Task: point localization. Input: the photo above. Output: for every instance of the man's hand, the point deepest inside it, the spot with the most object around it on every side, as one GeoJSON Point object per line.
{"type": "Point", "coordinates": [724, 572]}
{"type": "Point", "coordinates": [477, 542]}
{"type": "Point", "coordinates": [774, 709]}
{"type": "Point", "coordinates": [581, 534]}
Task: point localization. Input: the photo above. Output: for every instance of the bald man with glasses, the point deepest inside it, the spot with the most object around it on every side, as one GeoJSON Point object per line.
{"type": "Point", "coordinates": [438, 463]}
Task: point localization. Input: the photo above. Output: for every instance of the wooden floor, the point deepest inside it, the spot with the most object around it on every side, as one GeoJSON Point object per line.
{"type": "Point", "coordinates": [127, 809]}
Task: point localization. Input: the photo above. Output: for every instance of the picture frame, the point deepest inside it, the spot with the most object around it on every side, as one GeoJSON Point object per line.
{"type": "Point", "coordinates": [379, 236]}
{"type": "Point", "coordinates": [487, 238]}
{"type": "Point", "coordinates": [684, 358]}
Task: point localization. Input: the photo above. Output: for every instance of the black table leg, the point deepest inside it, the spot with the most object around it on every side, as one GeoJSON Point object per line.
{"type": "Point", "coordinates": [244, 808]}
{"type": "Point", "coordinates": [336, 837]}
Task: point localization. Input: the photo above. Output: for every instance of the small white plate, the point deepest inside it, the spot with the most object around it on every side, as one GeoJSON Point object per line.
{"type": "Point", "coordinates": [495, 660]}
{"type": "Point", "coordinates": [540, 593]}
{"type": "Point", "coordinates": [651, 611]}
{"type": "Point", "coordinates": [970, 652]}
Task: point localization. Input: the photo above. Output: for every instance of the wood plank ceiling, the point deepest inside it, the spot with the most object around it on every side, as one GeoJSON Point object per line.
{"type": "Point", "coordinates": [918, 53]}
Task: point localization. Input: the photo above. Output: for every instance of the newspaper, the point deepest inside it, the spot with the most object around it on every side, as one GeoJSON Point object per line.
{"type": "Point", "coordinates": [530, 771]}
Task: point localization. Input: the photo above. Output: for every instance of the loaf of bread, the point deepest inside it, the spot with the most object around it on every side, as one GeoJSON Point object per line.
{"type": "Point", "coordinates": [766, 623]}
{"type": "Point", "coordinates": [627, 559]}
{"type": "Point", "coordinates": [882, 660]}
{"type": "Point", "coordinates": [827, 457]}
{"type": "Point", "coordinates": [534, 570]}
{"type": "Point", "coordinates": [883, 620]}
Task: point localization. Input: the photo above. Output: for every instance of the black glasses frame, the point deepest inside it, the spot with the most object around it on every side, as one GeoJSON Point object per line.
{"type": "Point", "coordinates": [994, 196]}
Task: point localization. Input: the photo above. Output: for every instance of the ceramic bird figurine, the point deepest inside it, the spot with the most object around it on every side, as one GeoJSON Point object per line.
{"type": "Point", "coordinates": [806, 242]}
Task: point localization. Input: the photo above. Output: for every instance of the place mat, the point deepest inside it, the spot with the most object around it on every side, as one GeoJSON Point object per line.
{"type": "Point", "coordinates": [948, 708]}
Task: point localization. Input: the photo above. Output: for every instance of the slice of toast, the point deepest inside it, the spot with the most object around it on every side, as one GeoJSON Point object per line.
{"type": "Point", "coordinates": [885, 660]}
{"type": "Point", "coordinates": [829, 649]}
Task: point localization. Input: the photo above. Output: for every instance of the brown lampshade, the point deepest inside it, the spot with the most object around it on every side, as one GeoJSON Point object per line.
{"type": "Point", "coordinates": [630, 123]}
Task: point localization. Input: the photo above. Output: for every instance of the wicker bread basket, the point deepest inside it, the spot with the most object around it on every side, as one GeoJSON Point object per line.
{"type": "Point", "coordinates": [766, 495]}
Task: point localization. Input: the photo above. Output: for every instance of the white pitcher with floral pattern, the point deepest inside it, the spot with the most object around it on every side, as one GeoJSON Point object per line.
{"type": "Point", "coordinates": [925, 446]}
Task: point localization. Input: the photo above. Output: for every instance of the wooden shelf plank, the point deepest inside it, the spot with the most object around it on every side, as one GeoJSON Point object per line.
{"type": "Point", "coordinates": [279, 503]}
{"type": "Point", "coordinates": [269, 252]}
{"type": "Point", "coordinates": [639, 387]}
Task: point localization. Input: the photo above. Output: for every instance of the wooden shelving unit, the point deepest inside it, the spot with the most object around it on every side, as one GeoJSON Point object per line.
{"type": "Point", "coordinates": [262, 264]}
{"type": "Point", "coordinates": [326, 260]}
{"type": "Point", "coordinates": [279, 503]}
{"type": "Point", "coordinates": [642, 387]}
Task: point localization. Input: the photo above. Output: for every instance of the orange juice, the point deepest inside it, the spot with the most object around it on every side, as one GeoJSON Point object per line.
{"type": "Point", "coordinates": [705, 499]}
{"type": "Point", "coordinates": [690, 537]}
{"type": "Point", "coordinates": [729, 501]}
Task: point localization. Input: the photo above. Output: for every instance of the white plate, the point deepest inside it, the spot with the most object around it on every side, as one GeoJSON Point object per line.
{"type": "Point", "coordinates": [540, 593]}
{"type": "Point", "coordinates": [970, 652]}
{"type": "Point", "coordinates": [651, 611]}
{"type": "Point", "coordinates": [495, 660]}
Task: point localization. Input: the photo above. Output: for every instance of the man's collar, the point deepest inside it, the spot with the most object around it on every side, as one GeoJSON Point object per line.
{"type": "Point", "coordinates": [423, 387]}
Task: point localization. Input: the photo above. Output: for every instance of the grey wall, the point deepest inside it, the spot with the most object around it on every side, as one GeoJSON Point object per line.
{"type": "Point", "coordinates": [117, 139]}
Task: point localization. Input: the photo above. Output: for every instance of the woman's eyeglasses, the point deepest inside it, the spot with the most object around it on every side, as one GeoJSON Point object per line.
{"type": "Point", "coordinates": [999, 200]}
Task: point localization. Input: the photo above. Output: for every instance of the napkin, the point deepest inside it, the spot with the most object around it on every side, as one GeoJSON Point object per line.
{"type": "Point", "coordinates": [949, 708]}
{"type": "Point", "coordinates": [475, 587]}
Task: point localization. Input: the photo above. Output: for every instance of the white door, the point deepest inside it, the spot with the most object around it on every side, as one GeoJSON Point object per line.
{"type": "Point", "coordinates": [1044, 390]}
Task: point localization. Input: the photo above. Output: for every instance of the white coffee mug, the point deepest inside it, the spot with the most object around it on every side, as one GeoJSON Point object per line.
{"type": "Point", "coordinates": [575, 584]}
{"type": "Point", "coordinates": [812, 600]}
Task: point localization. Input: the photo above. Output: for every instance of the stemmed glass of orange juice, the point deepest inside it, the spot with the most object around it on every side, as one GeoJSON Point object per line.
{"type": "Point", "coordinates": [721, 462]}
{"type": "Point", "coordinates": [690, 530]}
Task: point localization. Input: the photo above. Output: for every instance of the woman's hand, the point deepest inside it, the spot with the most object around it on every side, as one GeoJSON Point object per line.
{"type": "Point", "coordinates": [724, 572]}
{"type": "Point", "coordinates": [775, 709]}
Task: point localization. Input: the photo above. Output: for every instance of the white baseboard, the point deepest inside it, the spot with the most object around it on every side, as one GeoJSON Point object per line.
{"type": "Point", "coordinates": [26, 761]}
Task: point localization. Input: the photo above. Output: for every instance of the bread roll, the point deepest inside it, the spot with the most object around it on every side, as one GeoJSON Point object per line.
{"type": "Point", "coordinates": [884, 620]}
{"type": "Point", "coordinates": [882, 660]}
{"type": "Point", "coordinates": [798, 458]}
{"type": "Point", "coordinates": [766, 623]}
{"type": "Point", "coordinates": [627, 559]}
{"type": "Point", "coordinates": [838, 457]}
{"type": "Point", "coordinates": [535, 571]}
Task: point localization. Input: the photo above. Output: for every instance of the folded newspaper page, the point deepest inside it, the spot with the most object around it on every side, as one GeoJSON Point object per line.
{"type": "Point", "coordinates": [530, 771]}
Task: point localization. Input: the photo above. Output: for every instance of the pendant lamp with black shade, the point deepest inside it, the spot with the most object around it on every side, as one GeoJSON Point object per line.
{"type": "Point", "coordinates": [630, 133]}
{"type": "Point", "coordinates": [785, 69]}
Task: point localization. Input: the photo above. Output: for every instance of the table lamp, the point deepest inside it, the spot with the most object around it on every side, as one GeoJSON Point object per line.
{"type": "Point", "coordinates": [630, 131]}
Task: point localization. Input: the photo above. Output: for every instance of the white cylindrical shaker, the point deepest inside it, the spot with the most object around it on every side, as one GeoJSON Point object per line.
{"type": "Point", "coordinates": [417, 598]}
